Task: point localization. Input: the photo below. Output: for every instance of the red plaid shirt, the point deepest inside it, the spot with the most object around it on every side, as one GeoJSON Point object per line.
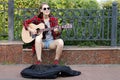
{"type": "Point", "coordinates": [36, 20]}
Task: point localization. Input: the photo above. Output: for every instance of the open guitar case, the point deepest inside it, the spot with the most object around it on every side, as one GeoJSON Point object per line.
{"type": "Point", "coordinates": [48, 71]}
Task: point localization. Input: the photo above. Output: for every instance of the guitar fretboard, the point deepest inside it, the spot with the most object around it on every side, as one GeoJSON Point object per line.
{"type": "Point", "coordinates": [65, 26]}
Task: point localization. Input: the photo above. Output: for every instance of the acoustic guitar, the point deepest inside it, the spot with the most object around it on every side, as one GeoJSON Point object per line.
{"type": "Point", "coordinates": [28, 37]}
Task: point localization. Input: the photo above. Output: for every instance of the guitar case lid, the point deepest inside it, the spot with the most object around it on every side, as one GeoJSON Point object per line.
{"type": "Point", "coordinates": [48, 71]}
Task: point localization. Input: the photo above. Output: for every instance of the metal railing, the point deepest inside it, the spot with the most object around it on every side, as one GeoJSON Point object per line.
{"type": "Point", "coordinates": [103, 24]}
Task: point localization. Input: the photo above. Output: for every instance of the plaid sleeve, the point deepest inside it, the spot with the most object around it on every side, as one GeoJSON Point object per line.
{"type": "Point", "coordinates": [28, 21]}
{"type": "Point", "coordinates": [54, 23]}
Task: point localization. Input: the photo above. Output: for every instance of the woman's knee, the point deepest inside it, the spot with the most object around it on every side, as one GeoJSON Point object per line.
{"type": "Point", "coordinates": [60, 42]}
{"type": "Point", "coordinates": [38, 39]}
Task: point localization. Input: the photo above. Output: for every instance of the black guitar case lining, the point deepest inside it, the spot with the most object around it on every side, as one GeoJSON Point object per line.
{"type": "Point", "coordinates": [48, 71]}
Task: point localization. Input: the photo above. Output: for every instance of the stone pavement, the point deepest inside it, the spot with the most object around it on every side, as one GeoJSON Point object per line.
{"type": "Point", "coordinates": [89, 72]}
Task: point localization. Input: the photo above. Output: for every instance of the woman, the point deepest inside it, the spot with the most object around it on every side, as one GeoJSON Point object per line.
{"type": "Point", "coordinates": [49, 39]}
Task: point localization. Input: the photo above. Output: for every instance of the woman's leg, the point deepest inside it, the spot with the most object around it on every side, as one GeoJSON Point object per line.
{"type": "Point", "coordinates": [57, 44]}
{"type": "Point", "coordinates": [38, 47]}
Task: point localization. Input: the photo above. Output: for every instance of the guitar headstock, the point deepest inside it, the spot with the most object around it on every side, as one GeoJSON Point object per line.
{"type": "Point", "coordinates": [67, 26]}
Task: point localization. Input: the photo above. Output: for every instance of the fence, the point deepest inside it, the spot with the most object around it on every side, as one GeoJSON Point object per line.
{"type": "Point", "coordinates": [118, 28]}
{"type": "Point", "coordinates": [94, 25]}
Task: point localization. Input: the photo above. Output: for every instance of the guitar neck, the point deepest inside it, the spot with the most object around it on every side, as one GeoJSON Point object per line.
{"type": "Point", "coordinates": [47, 29]}
{"type": "Point", "coordinates": [65, 26]}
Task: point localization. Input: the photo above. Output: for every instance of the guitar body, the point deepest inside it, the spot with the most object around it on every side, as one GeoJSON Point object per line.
{"type": "Point", "coordinates": [27, 37]}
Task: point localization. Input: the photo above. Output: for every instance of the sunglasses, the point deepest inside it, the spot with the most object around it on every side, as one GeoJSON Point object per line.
{"type": "Point", "coordinates": [48, 8]}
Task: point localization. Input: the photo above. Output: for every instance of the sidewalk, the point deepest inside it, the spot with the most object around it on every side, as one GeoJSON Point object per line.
{"type": "Point", "coordinates": [89, 72]}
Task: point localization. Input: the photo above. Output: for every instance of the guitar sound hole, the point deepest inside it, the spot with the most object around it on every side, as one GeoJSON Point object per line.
{"type": "Point", "coordinates": [38, 30]}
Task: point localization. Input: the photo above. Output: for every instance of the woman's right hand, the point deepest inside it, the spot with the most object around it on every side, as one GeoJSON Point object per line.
{"type": "Point", "coordinates": [33, 31]}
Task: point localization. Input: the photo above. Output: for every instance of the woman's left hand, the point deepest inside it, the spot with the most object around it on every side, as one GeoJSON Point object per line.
{"type": "Point", "coordinates": [56, 30]}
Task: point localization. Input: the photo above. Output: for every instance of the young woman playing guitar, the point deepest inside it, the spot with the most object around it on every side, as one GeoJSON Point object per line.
{"type": "Point", "coordinates": [48, 39]}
